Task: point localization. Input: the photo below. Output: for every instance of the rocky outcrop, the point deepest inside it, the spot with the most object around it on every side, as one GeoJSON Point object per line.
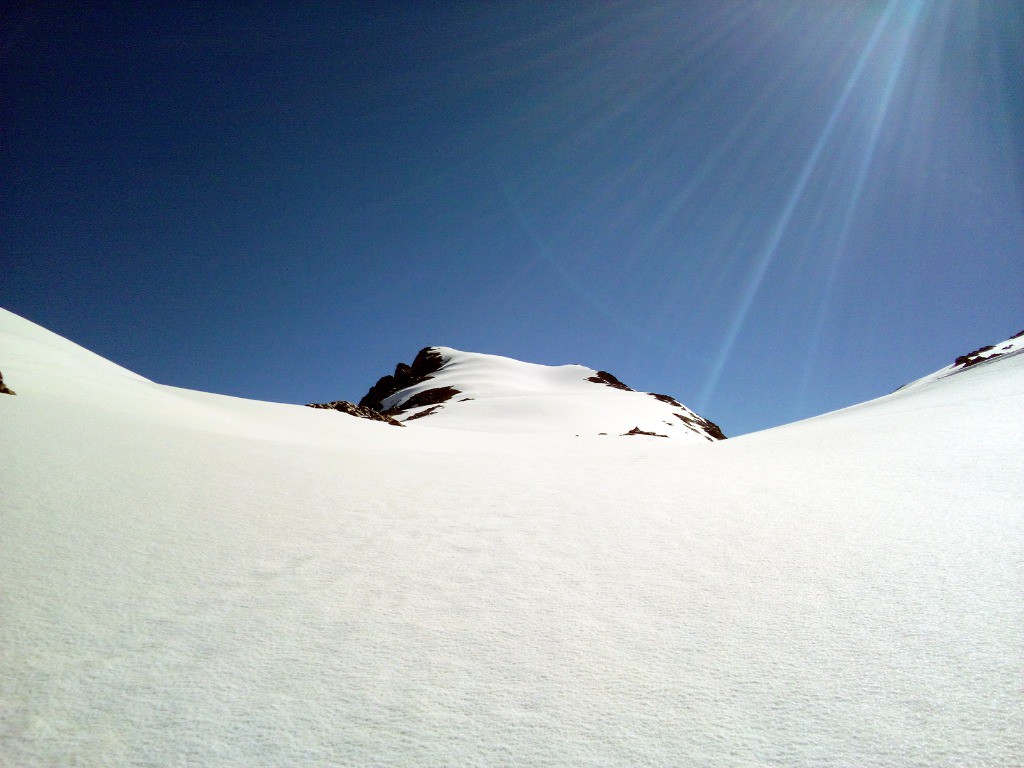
{"type": "Point", "coordinates": [428, 361]}
{"type": "Point", "coordinates": [983, 353]}
{"type": "Point", "coordinates": [434, 397]}
{"type": "Point", "coordinates": [692, 420]}
{"type": "Point", "coordinates": [667, 399]}
{"type": "Point", "coordinates": [4, 389]}
{"type": "Point", "coordinates": [359, 411]}
{"type": "Point", "coordinates": [1011, 347]}
{"type": "Point", "coordinates": [603, 377]}
{"type": "Point", "coordinates": [974, 357]}
{"type": "Point", "coordinates": [700, 424]}
{"type": "Point", "coordinates": [638, 431]}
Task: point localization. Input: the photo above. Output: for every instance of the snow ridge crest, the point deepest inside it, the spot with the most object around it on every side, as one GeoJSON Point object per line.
{"type": "Point", "coordinates": [481, 392]}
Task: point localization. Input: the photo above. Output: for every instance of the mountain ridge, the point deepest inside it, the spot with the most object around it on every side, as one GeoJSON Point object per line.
{"type": "Point", "coordinates": [593, 401]}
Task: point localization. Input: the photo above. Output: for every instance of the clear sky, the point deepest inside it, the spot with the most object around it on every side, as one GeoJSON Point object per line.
{"type": "Point", "coordinates": [768, 210]}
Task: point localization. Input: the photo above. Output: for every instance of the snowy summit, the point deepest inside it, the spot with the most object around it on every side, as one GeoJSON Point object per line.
{"type": "Point", "coordinates": [488, 393]}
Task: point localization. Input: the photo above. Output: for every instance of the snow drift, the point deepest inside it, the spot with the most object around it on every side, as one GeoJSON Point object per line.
{"type": "Point", "coordinates": [190, 579]}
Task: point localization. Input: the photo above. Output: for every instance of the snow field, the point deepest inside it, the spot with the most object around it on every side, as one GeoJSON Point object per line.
{"type": "Point", "coordinates": [210, 581]}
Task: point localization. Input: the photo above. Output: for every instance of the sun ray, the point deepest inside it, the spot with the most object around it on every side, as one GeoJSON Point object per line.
{"type": "Point", "coordinates": [836, 259]}
{"type": "Point", "coordinates": [767, 254]}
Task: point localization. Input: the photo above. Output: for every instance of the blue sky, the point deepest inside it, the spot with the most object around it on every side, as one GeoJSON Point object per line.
{"type": "Point", "coordinates": [768, 210]}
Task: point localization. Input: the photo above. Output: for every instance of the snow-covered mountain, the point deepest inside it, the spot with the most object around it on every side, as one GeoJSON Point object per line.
{"type": "Point", "coordinates": [192, 579]}
{"type": "Point", "coordinates": [984, 355]}
{"type": "Point", "coordinates": [470, 391]}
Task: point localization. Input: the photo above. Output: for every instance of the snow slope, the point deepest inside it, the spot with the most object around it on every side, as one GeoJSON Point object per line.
{"type": "Point", "coordinates": [189, 579]}
{"type": "Point", "coordinates": [499, 394]}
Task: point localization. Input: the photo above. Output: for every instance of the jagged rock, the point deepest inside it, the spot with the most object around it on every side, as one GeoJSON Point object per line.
{"type": "Point", "coordinates": [979, 356]}
{"type": "Point", "coordinates": [4, 389]}
{"type": "Point", "coordinates": [427, 362]}
{"type": "Point", "coordinates": [358, 411]}
{"type": "Point", "coordinates": [603, 377]}
{"type": "Point", "coordinates": [691, 419]}
{"type": "Point", "coordinates": [699, 423]}
{"type": "Point", "coordinates": [972, 357]}
{"type": "Point", "coordinates": [426, 397]}
{"type": "Point", "coordinates": [667, 399]}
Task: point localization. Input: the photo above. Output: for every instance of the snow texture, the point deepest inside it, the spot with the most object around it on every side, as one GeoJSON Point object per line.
{"type": "Point", "coordinates": [191, 579]}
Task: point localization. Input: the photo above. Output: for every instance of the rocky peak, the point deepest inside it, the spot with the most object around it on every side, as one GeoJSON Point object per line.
{"type": "Point", "coordinates": [476, 391]}
{"type": "Point", "coordinates": [427, 362]}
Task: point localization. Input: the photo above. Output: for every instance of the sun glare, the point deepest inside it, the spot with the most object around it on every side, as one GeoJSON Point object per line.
{"type": "Point", "coordinates": [768, 252]}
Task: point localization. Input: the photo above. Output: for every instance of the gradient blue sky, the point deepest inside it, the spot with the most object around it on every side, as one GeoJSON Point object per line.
{"type": "Point", "coordinates": [769, 210]}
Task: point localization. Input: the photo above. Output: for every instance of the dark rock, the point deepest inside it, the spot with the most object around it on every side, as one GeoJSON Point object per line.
{"type": "Point", "coordinates": [700, 424]}
{"type": "Point", "coordinates": [358, 411]}
{"type": "Point", "coordinates": [428, 361]}
{"type": "Point", "coordinates": [638, 431]}
{"type": "Point", "coordinates": [971, 358]}
{"type": "Point", "coordinates": [426, 397]}
{"type": "Point", "coordinates": [603, 377]}
{"type": "Point", "coordinates": [4, 389]}
{"type": "Point", "coordinates": [667, 399]}
{"type": "Point", "coordinates": [975, 357]}
{"type": "Point", "coordinates": [427, 412]}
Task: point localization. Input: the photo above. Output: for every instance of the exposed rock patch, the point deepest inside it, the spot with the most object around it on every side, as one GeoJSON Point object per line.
{"type": "Point", "coordinates": [668, 399]}
{"type": "Point", "coordinates": [974, 357]}
{"type": "Point", "coordinates": [981, 354]}
{"type": "Point", "coordinates": [427, 362]}
{"type": "Point", "coordinates": [427, 412]}
{"type": "Point", "coordinates": [426, 397]}
{"type": "Point", "coordinates": [638, 431]}
{"type": "Point", "coordinates": [700, 424]}
{"type": "Point", "coordinates": [603, 377]}
{"type": "Point", "coordinates": [692, 420]}
{"type": "Point", "coordinates": [4, 389]}
{"type": "Point", "coordinates": [358, 411]}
